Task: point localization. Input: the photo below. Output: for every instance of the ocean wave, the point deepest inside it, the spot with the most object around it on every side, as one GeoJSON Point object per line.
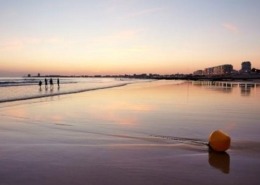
{"type": "Point", "coordinates": [28, 97]}
{"type": "Point", "coordinates": [10, 82]}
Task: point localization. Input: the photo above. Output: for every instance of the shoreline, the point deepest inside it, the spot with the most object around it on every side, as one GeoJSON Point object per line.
{"type": "Point", "coordinates": [256, 82]}
{"type": "Point", "coordinates": [60, 94]}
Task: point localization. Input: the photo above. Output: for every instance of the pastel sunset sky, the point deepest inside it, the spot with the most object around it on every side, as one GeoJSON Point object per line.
{"type": "Point", "coordinates": [87, 37]}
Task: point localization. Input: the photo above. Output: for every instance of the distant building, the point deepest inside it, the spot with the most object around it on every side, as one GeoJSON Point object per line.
{"type": "Point", "coordinates": [198, 72]}
{"type": "Point", "coordinates": [245, 67]}
{"type": "Point", "coordinates": [219, 70]}
{"type": "Point", "coordinates": [209, 71]}
{"type": "Point", "coordinates": [254, 70]}
{"type": "Point", "coordinates": [223, 69]}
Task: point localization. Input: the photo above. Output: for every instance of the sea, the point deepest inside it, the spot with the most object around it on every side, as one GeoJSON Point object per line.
{"type": "Point", "coordinates": [22, 88]}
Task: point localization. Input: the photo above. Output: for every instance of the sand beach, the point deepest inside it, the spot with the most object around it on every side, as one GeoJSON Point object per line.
{"type": "Point", "coordinates": [149, 133]}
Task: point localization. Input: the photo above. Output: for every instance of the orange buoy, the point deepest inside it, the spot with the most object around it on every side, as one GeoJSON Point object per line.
{"type": "Point", "coordinates": [219, 141]}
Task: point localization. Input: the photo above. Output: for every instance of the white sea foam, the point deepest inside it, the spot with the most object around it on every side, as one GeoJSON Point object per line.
{"type": "Point", "coordinates": [14, 89]}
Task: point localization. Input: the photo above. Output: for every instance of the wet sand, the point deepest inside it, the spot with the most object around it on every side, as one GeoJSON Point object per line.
{"type": "Point", "coordinates": [104, 137]}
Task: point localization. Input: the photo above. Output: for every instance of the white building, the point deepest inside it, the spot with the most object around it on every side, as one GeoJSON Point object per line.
{"type": "Point", "coordinates": [219, 70]}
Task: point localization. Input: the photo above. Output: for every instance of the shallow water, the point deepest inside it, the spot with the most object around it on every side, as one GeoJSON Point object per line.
{"type": "Point", "coordinates": [14, 89]}
{"type": "Point", "coordinates": [142, 133]}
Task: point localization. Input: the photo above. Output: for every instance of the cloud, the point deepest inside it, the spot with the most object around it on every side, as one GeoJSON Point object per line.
{"type": "Point", "coordinates": [230, 27]}
{"type": "Point", "coordinates": [12, 44]}
{"type": "Point", "coordinates": [20, 43]}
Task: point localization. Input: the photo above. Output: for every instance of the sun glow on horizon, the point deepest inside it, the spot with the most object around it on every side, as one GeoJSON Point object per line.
{"type": "Point", "coordinates": [123, 37]}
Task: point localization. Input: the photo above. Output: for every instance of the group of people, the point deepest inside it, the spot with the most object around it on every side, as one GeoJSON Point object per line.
{"type": "Point", "coordinates": [50, 82]}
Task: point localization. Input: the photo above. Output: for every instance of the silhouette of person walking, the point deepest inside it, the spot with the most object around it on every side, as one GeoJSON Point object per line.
{"type": "Point", "coordinates": [40, 84]}
{"type": "Point", "coordinates": [58, 82]}
{"type": "Point", "coordinates": [51, 83]}
{"type": "Point", "coordinates": [46, 83]}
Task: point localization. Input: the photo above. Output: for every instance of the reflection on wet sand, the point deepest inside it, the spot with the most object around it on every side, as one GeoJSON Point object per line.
{"type": "Point", "coordinates": [246, 89]}
{"type": "Point", "coordinates": [227, 87]}
{"type": "Point", "coordinates": [220, 161]}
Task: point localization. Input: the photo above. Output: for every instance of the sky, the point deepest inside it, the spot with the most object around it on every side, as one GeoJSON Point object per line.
{"type": "Point", "coordinates": [86, 37]}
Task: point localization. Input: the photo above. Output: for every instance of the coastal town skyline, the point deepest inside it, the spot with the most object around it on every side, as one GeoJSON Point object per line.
{"type": "Point", "coordinates": [246, 68]}
{"type": "Point", "coordinates": [126, 37]}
